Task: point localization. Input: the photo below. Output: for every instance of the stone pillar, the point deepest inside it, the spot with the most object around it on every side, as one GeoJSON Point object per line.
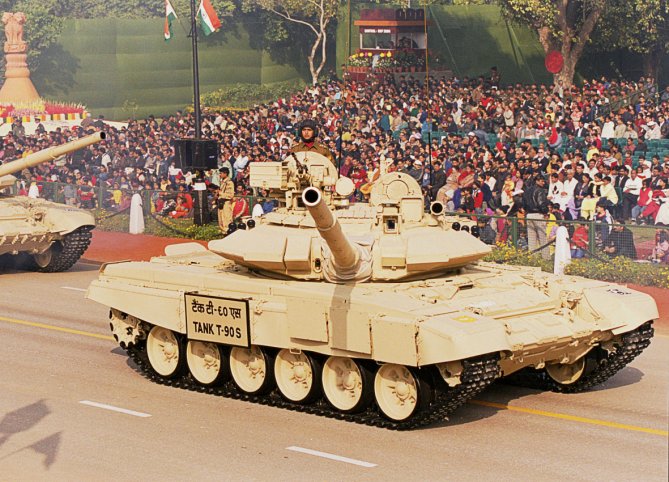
{"type": "Point", "coordinates": [17, 87]}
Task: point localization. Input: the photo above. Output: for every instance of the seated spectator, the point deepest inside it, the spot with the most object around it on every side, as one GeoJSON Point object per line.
{"type": "Point", "coordinates": [486, 233]}
{"type": "Point", "coordinates": [180, 210]}
{"type": "Point", "coordinates": [661, 249]}
{"type": "Point", "coordinates": [620, 241]}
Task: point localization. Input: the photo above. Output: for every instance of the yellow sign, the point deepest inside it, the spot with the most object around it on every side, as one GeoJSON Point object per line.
{"type": "Point", "coordinates": [465, 319]}
{"type": "Point", "coordinates": [218, 320]}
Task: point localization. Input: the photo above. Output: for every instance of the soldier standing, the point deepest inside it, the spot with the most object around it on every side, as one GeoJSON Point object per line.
{"type": "Point", "coordinates": [225, 194]}
{"type": "Point", "coordinates": [308, 142]}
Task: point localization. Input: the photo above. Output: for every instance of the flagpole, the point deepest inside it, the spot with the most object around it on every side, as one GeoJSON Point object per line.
{"type": "Point", "coordinates": [196, 73]}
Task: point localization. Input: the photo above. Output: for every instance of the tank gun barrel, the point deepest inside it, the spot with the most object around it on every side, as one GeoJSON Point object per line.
{"type": "Point", "coordinates": [50, 154]}
{"type": "Point", "coordinates": [344, 253]}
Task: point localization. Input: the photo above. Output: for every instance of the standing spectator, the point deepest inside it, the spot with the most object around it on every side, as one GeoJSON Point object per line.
{"type": "Point", "coordinates": [580, 240]}
{"type": "Point", "coordinates": [536, 204]}
{"type": "Point", "coordinates": [225, 194]}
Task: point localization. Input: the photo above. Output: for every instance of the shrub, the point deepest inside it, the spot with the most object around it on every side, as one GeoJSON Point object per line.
{"type": "Point", "coordinates": [242, 96]}
{"type": "Point", "coordinates": [166, 227]}
{"type": "Point", "coordinates": [618, 270]}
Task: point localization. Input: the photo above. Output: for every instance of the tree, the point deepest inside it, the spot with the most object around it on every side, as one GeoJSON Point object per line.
{"type": "Point", "coordinates": [316, 15]}
{"type": "Point", "coordinates": [562, 25]}
{"type": "Point", "coordinates": [639, 26]}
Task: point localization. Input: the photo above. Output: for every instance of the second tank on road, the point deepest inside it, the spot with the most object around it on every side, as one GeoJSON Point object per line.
{"type": "Point", "coordinates": [51, 236]}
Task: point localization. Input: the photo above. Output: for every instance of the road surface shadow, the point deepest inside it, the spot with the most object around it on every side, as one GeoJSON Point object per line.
{"type": "Point", "coordinates": [23, 419]}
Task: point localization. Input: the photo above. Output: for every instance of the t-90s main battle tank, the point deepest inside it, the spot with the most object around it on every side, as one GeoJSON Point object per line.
{"type": "Point", "coordinates": [378, 313]}
{"type": "Point", "coordinates": [53, 235]}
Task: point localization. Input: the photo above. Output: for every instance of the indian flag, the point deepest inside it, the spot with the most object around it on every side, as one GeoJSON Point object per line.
{"type": "Point", "coordinates": [208, 18]}
{"type": "Point", "coordinates": [170, 16]}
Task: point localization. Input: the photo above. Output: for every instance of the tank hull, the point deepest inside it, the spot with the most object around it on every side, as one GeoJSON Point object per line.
{"type": "Point", "coordinates": [505, 319]}
{"type": "Point", "coordinates": [55, 234]}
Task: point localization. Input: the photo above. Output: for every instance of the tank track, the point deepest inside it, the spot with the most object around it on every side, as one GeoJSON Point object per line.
{"type": "Point", "coordinates": [607, 364]}
{"type": "Point", "coordinates": [73, 246]}
{"type": "Point", "coordinates": [477, 375]}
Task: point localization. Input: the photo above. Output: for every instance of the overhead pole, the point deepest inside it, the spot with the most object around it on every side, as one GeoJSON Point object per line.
{"type": "Point", "coordinates": [196, 73]}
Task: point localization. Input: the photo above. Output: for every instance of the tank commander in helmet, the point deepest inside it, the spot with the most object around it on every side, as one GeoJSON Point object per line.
{"type": "Point", "coordinates": [226, 193]}
{"type": "Point", "coordinates": [308, 142]}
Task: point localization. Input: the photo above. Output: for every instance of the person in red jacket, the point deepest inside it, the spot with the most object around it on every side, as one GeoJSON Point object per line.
{"type": "Point", "coordinates": [579, 241]}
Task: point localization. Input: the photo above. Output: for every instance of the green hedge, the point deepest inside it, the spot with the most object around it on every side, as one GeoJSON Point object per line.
{"type": "Point", "coordinates": [176, 228]}
{"type": "Point", "coordinates": [618, 270]}
{"type": "Point", "coordinates": [246, 95]}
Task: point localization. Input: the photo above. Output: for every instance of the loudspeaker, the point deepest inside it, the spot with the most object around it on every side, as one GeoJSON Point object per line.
{"type": "Point", "coordinates": [196, 153]}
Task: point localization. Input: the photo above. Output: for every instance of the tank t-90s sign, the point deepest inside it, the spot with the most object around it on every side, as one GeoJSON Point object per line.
{"type": "Point", "coordinates": [218, 320]}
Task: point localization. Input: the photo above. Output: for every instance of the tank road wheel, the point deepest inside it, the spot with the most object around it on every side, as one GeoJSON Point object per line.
{"type": "Point", "coordinates": [297, 376]}
{"type": "Point", "coordinates": [63, 254]}
{"type": "Point", "coordinates": [165, 352]}
{"type": "Point", "coordinates": [206, 363]}
{"type": "Point", "coordinates": [43, 259]}
{"type": "Point", "coordinates": [251, 370]}
{"type": "Point", "coordinates": [567, 373]}
{"type": "Point", "coordinates": [347, 384]}
{"type": "Point", "coordinates": [127, 330]}
{"type": "Point", "coordinates": [399, 393]}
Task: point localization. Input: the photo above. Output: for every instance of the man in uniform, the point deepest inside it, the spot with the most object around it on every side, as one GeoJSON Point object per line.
{"type": "Point", "coordinates": [308, 142]}
{"type": "Point", "coordinates": [225, 194]}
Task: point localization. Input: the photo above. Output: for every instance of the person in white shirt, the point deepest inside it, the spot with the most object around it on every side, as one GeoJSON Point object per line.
{"type": "Point", "coordinates": [257, 211]}
{"type": "Point", "coordinates": [608, 128]}
{"type": "Point", "coordinates": [653, 130]}
{"type": "Point", "coordinates": [555, 187]}
{"type": "Point", "coordinates": [241, 162]}
{"type": "Point", "coordinates": [569, 184]}
{"type": "Point", "coordinates": [631, 193]}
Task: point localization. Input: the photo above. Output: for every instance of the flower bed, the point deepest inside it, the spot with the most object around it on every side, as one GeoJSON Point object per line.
{"type": "Point", "coordinates": [41, 110]}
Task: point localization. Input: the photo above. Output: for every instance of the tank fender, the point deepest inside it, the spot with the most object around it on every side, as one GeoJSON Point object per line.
{"type": "Point", "coordinates": [65, 219]}
{"type": "Point", "coordinates": [157, 306]}
{"type": "Point", "coordinates": [617, 307]}
{"type": "Point", "coordinates": [459, 335]}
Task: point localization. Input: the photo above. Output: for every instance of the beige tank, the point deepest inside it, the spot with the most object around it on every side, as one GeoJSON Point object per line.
{"type": "Point", "coordinates": [53, 236]}
{"type": "Point", "coordinates": [375, 313]}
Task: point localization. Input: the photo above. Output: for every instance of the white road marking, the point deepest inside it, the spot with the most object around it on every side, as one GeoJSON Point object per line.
{"type": "Point", "coordinates": [71, 288]}
{"type": "Point", "coordinates": [114, 409]}
{"type": "Point", "coordinates": [326, 455]}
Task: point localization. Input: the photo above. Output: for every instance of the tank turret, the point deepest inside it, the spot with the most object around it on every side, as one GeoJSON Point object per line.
{"type": "Point", "coordinates": [45, 155]}
{"type": "Point", "coordinates": [316, 234]}
{"type": "Point", "coordinates": [46, 236]}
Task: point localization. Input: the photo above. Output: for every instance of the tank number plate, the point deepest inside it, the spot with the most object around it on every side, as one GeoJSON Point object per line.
{"type": "Point", "coordinates": [219, 320]}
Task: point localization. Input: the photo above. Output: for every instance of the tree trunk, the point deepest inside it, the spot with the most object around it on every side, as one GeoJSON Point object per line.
{"type": "Point", "coordinates": [312, 59]}
{"type": "Point", "coordinates": [566, 75]}
{"type": "Point", "coordinates": [651, 63]}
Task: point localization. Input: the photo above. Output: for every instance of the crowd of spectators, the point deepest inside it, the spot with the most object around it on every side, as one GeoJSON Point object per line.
{"type": "Point", "coordinates": [539, 152]}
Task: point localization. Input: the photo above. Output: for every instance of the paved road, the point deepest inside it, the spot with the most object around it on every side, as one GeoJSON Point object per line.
{"type": "Point", "coordinates": [56, 353]}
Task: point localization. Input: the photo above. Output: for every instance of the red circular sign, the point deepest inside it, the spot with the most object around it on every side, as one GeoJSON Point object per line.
{"type": "Point", "coordinates": [554, 61]}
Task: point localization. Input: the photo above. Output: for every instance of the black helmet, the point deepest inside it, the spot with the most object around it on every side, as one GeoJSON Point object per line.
{"type": "Point", "coordinates": [310, 123]}
{"type": "Point", "coordinates": [232, 227]}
